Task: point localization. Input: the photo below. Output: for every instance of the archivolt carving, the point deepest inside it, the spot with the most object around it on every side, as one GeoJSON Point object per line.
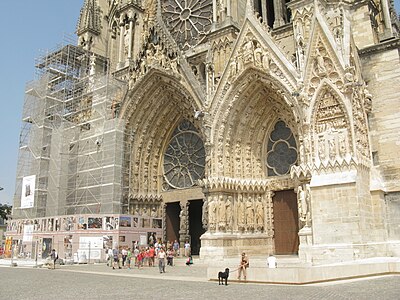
{"type": "Point", "coordinates": [331, 128]}
{"type": "Point", "coordinates": [323, 67]}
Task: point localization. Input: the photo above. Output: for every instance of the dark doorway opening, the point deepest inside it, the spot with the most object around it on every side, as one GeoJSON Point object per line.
{"type": "Point", "coordinates": [286, 222]}
{"type": "Point", "coordinates": [195, 224]}
{"type": "Point", "coordinates": [172, 219]}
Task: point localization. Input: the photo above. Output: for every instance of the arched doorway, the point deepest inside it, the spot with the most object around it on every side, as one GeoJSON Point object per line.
{"type": "Point", "coordinates": [183, 165]}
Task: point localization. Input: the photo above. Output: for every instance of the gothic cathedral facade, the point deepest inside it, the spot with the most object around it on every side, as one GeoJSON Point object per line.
{"type": "Point", "coordinates": [263, 126]}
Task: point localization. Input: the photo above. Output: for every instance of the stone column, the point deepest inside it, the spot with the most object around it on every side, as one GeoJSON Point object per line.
{"type": "Point", "coordinates": [278, 13]}
{"type": "Point", "coordinates": [131, 20]}
{"type": "Point", "coordinates": [121, 41]}
{"type": "Point", "coordinates": [264, 11]}
{"type": "Point", "coordinates": [184, 224]}
{"type": "Point", "coordinates": [214, 11]}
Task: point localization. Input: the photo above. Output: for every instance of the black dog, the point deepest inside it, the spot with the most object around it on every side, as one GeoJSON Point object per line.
{"type": "Point", "coordinates": [222, 276]}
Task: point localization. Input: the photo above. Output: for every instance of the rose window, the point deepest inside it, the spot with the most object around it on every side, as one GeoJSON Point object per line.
{"type": "Point", "coordinates": [188, 20]}
{"type": "Point", "coordinates": [184, 159]}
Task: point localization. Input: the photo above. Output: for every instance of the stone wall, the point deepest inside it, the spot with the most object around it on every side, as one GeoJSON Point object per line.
{"type": "Point", "coordinates": [381, 71]}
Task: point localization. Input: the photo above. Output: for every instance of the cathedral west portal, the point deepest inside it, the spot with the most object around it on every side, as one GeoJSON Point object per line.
{"type": "Point", "coordinates": [236, 125]}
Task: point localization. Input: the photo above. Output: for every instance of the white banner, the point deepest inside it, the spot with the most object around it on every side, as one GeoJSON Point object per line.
{"type": "Point", "coordinates": [93, 242]}
{"type": "Point", "coordinates": [28, 191]}
{"type": "Point", "coordinates": [28, 233]}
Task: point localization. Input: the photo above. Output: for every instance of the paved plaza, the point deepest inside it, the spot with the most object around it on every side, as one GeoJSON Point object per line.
{"type": "Point", "coordinates": [179, 282]}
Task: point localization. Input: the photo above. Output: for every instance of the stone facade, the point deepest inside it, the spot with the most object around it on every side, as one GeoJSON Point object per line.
{"type": "Point", "coordinates": [260, 116]}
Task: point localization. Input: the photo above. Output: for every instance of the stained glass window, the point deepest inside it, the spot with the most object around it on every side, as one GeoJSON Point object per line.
{"type": "Point", "coordinates": [184, 159]}
{"type": "Point", "coordinates": [281, 150]}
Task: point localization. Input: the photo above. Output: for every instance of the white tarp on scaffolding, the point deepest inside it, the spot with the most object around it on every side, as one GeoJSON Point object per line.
{"type": "Point", "coordinates": [28, 233]}
{"type": "Point", "coordinates": [28, 191]}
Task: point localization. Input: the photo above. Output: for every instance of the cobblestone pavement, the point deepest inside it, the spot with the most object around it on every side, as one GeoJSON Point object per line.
{"type": "Point", "coordinates": [180, 282]}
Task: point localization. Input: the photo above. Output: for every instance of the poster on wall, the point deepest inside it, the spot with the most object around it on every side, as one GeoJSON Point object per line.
{"type": "Point", "coordinates": [46, 247]}
{"type": "Point", "coordinates": [28, 233]}
{"type": "Point", "coordinates": [125, 221]}
{"type": "Point", "coordinates": [95, 223]}
{"type": "Point", "coordinates": [28, 191]}
{"type": "Point", "coordinates": [143, 240]}
{"type": "Point", "coordinates": [8, 247]}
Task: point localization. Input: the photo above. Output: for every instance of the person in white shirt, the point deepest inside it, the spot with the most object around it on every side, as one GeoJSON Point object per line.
{"type": "Point", "coordinates": [124, 253]}
{"type": "Point", "coordinates": [161, 260]}
{"type": "Point", "coordinates": [271, 262]}
{"type": "Point", "coordinates": [110, 257]}
{"type": "Point", "coordinates": [187, 249]}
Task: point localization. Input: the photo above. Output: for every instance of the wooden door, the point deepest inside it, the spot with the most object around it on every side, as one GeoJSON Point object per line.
{"type": "Point", "coordinates": [286, 224]}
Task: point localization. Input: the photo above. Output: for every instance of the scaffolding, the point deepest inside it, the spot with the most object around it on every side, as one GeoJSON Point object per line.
{"type": "Point", "coordinates": [70, 138]}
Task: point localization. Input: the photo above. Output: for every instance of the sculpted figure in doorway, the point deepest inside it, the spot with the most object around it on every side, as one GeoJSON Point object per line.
{"type": "Point", "coordinates": [212, 213]}
{"type": "Point", "coordinates": [240, 212]}
{"type": "Point", "coordinates": [229, 219]}
{"type": "Point", "coordinates": [302, 204]}
{"type": "Point", "coordinates": [260, 214]}
{"type": "Point", "coordinates": [205, 214]}
{"type": "Point", "coordinates": [249, 213]}
{"type": "Point", "coordinates": [221, 212]}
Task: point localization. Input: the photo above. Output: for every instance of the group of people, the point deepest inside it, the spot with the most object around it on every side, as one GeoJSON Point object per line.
{"type": "Point", "coordinates": [146, 256]}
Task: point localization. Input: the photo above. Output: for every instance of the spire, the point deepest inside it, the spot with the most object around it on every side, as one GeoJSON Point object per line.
{"type": "Point", "coordinates": [90, 18]}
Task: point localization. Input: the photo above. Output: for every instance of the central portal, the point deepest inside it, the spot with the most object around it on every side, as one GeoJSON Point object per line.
{"type": "Point", "coordinates": [172, 221]}
{"type": "Point", "coordinates": [286, 224]}
{"type": "Point", "coordinates": [195, 225]}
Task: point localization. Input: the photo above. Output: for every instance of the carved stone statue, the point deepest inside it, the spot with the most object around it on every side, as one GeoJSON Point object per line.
{"type": "Point", "coordinates": [229, 219]}
{"type": "Point", "coordinates": [221, 212]}
{"type": "Point", "coordinates": [153, 212]}
{"type": "Point", "coordinates": [302, 204]}
{"type": "Point", "coordinates": [308, 203]}
{"type": "Point", "coordinates": [232, 68]}
{"type": "Point", "coordinates": [240, 212]}
{"type": "Point", "coordinates": [212, 213]}
{"type": "Point", "coordinates": [259, 214]}
{"type": "Point", "coordinates": [248, 51]}
{"type": "Point", "coordinates": [249, 213]}
{"type": "Point", "coordinates": [321, 69]}
{"type": "Point", "coordinates": [266, 60]}
{"type": "Point", "coordinates": [183, 218]}
{"type": "Point", "coordinates": [205, 214]}
{"type": "Point", "coordinates": [258, 56]}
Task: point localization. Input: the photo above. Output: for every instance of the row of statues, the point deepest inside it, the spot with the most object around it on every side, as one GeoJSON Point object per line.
{"type": "Point", "coordinates": [245, 213]}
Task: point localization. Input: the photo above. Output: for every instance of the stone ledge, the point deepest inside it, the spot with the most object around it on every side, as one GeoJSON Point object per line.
{"type": "Point", "coordinates": [307, 275]}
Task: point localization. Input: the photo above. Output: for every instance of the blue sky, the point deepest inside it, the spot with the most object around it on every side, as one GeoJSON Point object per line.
{"type": "Point", "coordinates": [26, 27]}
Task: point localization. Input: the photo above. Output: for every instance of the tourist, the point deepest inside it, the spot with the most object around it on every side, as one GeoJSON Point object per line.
{"type": "Point", "coordinates": [129, 258]}
{"type": "Point", "coordinates": [116, 258]}
{"type": "Point", "coordinates": [189, 260]}
{"type": "Point", "coordinates": [110, 257]}
{"type": "Point", "coordinates": [140, 258]}
{"type": "Point", "coordinates": [170, 257]}
{"type": "Point", "coordinates": [161, 260]}
{"type": "Point", "coordinates": [175, 246]}
{"type": "Point", "coordinates": [187, 249]}
{"type": "Point", "coordinates": [136, 254]}
{"type": "Point", "coordinates": [54, 257]}
{"type": "Point", "coordinates": [124, 253]}
{"type": "Point", "coordinates": [152, 254]}
{"type": "Point", "coordinates": [244, 264]}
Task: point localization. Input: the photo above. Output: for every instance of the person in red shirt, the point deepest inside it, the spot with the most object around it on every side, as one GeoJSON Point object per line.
{"type": "Point", "coordinates": [140, 258]}
{"type": "Point", "coordinates": [152, 254]}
